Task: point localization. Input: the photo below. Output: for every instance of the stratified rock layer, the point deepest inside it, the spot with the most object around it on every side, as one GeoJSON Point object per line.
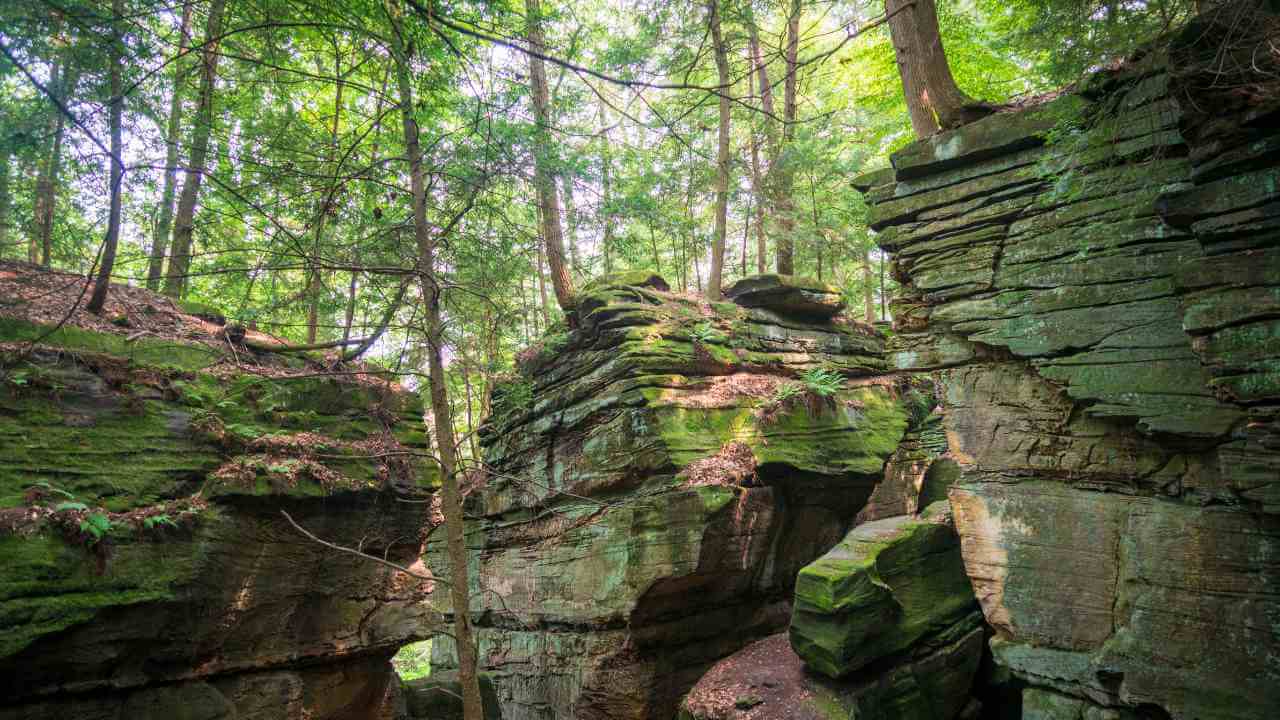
{"type": "Point", "coordinates": [658, 478]}
{"type": "Point", "coordinates": [199, 600]}
{"type": "Point", "coordinates": [1101, 311]}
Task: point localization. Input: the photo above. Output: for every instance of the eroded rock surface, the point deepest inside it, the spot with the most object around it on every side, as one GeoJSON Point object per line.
{"type": "Point", "coordinates": [659, 477]}
{"type": "Point", "coordinates": [198, 600]}
{"type": "Point", "coordinates": [1100, 311]}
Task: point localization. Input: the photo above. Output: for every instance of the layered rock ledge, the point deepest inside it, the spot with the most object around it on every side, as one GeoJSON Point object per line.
{"type": "Point", "coordinates": [1094, 281]}
{"type": "Point", "coordinates": [658, 477]}
{"type": "Point", "coordinates": [146, 570]}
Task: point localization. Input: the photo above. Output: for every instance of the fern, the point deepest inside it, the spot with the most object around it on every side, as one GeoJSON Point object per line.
{"type": "Point", "coordinates": [823, 382]}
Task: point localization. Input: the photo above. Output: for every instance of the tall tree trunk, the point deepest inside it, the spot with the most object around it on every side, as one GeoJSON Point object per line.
{"type": "Point", "coordinates": [722, 156]}
{"type": "Point", "coordinates": [782, 168]}
{"type": "Point", "coordinates": [746, 233]}
{"type": "Point", "coordinates": [869, 288]}
{"type": "Point", "coordinates": [164, 223]}
{"type": "Point", "coordinates": [175, 280]}
{"type": "Point", "coordinates": [328, 200]}
{"type": "Point", "coordinates": [606, 201]}
{"type": "Point", "coordinates": [542, 290]}
{"type": "Point", "coordinates": [544, 173]}
{"type": "Point", "coordinates": [103, 283]}
{"type": "Point", "coordinates": [451, 492]}
{"type": "Point", "coordinates": [571, 222]}
{"type": "Point", "coordinates": [6, 200]}
{"type": "Point", "coordinates": [818, 235]}
{"type": "Point", "coordinates": [934, 101]}
{"type": "Point", "coordinates": [754, 61]}
{"type": "Point", "coordinates": [40, 246]}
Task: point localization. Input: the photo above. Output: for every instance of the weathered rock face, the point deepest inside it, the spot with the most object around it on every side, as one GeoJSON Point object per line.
{"type": "Point", "coordinates": [1101, 310]}
{"type": "Point", "coordinates": [648, 513]}
{"type": "Point", "coordinates": [198, 600]}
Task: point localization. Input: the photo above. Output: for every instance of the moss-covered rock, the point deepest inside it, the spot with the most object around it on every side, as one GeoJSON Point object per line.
{"type": "Point", "coordinates": [888, 585]}
{"type": "Point", "coordinates": [145, 565]}
{"type": "Point", "coordinates": [787, 295]}
{"type": "Point", "coordinates": [1094, 282]}
{"type": "Point", "coordinates": [658, 483]}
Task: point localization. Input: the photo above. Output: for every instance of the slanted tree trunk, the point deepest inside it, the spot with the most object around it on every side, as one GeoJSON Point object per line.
{"type": "Point", "coordinates": [451, 491]}
{"type": "Point", "coordinates": [164, 222]}
{"type": "Point", "coordinates": [722, 155]}
{"type": "Point", "coordinates": [109, 244]}
{"type": "Point", "coordinates": [934, 101]}
{"type": "Point", "coordinates": [175, 280]}
{"type": "Point", "coordinates": [544, 173]}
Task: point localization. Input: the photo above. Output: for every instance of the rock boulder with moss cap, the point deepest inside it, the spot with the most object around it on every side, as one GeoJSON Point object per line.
{"type": "Point", "coordinates": [889, 585]}
{"type": "Point", "coordinates": [787, 295]}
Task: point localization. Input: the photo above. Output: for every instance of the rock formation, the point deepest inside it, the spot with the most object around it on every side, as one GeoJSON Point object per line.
{"type": "Point", "coordinates": [146, 570]}
{"type": "Point", "coordinates": [1094, 281]}
{"type": "Point", "coordinates": [658, 477]}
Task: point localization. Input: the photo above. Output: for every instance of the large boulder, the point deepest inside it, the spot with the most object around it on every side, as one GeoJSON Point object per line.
{"type": "Point", "coordinates": [887, 586]}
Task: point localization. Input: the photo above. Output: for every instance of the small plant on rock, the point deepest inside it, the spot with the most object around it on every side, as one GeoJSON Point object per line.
{"type": "Point", "coordinates": [702, 333]}
{"type": "Point", "coordinates": [822, 381]}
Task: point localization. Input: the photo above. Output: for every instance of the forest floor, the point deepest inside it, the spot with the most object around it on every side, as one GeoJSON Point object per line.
{"type": "Point", "coordinates": [55, 298]}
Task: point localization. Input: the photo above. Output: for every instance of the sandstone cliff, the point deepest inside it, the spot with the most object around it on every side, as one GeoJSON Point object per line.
{"type": "Point", "coordinates": [1094, 281]}
{"type": "Point", "coordinates": [145, 568]}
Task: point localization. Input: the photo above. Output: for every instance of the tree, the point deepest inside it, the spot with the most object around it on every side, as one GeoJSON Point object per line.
{"type": "Point", "coordinates": [544, 172]}
{"type": "Point", "coordinates": [722, 153]}
{"type": "Point", "coordinates": [184, 223]}
{"type": "Point", "coordinates": [431, 289]}
{"type": "Point", "coordinates": [40, 246]}
{"type": "Point", "coordinates": [173, 128]}
{"type": "Point", "coordinates": [112, 240]}
{"type": "Point", "coordinates": [934, 101]}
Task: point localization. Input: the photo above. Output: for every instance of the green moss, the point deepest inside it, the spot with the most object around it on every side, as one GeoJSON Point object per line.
{"type": "Point", "coordinates": [142, 351]}
{"type": "Point", "coordinates": [47, 585]}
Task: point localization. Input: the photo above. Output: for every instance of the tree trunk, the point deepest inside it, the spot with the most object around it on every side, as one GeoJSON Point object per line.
{"type": "Point", "coordinates": [571, 222]}
{"type": "Point", "coordinates": [869, 288]}
{"type": "Point", "coordinates": [606, 182]}
{"type": "Point", "coordinates": [328, 201]}
{"type": "Point", "coordinates": [103, 283]}
{"type": "Point", "coordinates": [934, 102]}
{"type": "Point", "coordinates": [451, 492]}
{"type": "Point", "coordinates": [542, 290]}
{"type": "Point", "coordinates": [762, 250]}
{"type": "Point", "coordinates": [782, 168]}
{"type": "Point", "coordinates": [722, 156]}
{"type": "Point", "coordinates": [164, 223]}
{"type": "Point", "coordinates": [6, 201]}
{"type": "Point", "coordinates": [544, 173]}
{"type": "Point", "coordinates": [175, 281]}
{"type": "Point", "coordinates": [40, 247]}
{"type": "Point", "coordinates": [818, 235]}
